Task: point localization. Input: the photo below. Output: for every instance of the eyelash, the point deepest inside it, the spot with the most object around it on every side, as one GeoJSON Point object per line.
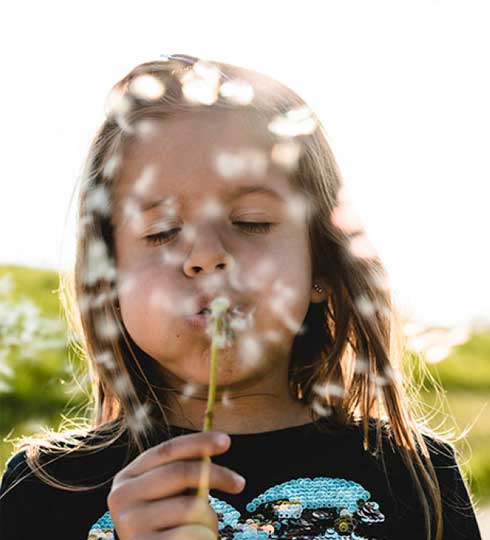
{"type": "Point", "coordinates": [258, 227]}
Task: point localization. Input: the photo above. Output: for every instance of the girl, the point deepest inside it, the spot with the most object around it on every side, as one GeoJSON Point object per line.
{"type": "Point", "coordinates": [210, 180]}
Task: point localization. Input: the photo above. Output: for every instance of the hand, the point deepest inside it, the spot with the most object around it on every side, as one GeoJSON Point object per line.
{"type": "Point", "coordinates": [146, 498]}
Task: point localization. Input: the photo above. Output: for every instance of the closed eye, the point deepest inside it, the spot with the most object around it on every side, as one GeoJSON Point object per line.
{"type": "Point", "coordinates": [253, 226]}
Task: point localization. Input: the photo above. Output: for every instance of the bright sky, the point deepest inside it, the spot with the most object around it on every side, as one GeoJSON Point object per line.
{"type": "Point", "coordinates": [402, 89]}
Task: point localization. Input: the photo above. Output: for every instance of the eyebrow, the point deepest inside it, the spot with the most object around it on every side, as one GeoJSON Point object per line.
{"type": "Point", "coordinates": [235, 194]}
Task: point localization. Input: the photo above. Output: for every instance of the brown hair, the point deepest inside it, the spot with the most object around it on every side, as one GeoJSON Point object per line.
{"type": "Point", "coordinates": [356, 353]}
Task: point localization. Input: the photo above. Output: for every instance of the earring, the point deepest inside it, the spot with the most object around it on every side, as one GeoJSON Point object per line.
{"type": "Point", "coordinates": [317, 288]}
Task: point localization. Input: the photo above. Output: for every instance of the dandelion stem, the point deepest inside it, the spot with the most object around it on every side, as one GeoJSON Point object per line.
{"type": "Point", "coordinates": [219, 308]}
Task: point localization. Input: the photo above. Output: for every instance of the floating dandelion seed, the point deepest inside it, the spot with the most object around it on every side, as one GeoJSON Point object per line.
{"type": "Point", "coordinates": [160, 299]}
{"type": "Point", "coordinates": [121, 385]}
{"type": "Point", "coordinates": [320, 409]}
{"type": "Point", "coordinates": [273, 336]}
{"type": "Point", "coordinates": [84, 303]}
{"type": "Point", "coordinates": [299, 121]}
{"type": "Point", "coordinates": [171, 259]}
{"type": "Point", "coordinates": [138, 419]}
{"type": "Point", "coordinates": [225, 400]}
{"type": "Point", "coordinates": [297, 208]}
{"type": "Point", "coordinates": [256, 161]}
{"type": "Point", "coordinates": [286, 154]}
{"type": "Point", "coordinates": [345, 217]}
{"type": "Point", "coordinates": [201, 83]}
{"type": "Point", "coordinates": [147, 87]}
{"type": "Point", "coordinates": [361, 365]}
{"type": "Point", "coordinates": [188, 391]}
{"type": "Point", "coordinates": [97, 200]}
{"type": "Point", "coordinates": [99, 266]}
{"type": "Point", "coordinates": [188, 232]}
{"type": "Point", "coordinates": [106, 328]}
{"type": "Point", "coordinates": [237, 91]}
{"type": "Point", "coordinates": [229, 165]}
{"type": "Point", "coordinates": [212, 208]}
{"type": "Point", "coordinates": [329, 389]}
{"type": "Point", "coordinates": [142, 184]}
{"type": "Point", "coordinates": [365, 306]}
{"type": "Point", "coordinates": [361, 247]}
{"type": "Point", "coordinates": [106, 359]}
{"type": "Point", "coordinates": [145, 127]}
{"type": "Point", "coordinates": [117, 103]}
{"type": "Point", "coordinates": [111, 165]}
{"type": "Point", "coordinates": [250, 349]}
{"type": "Point", "coordinates": [131, 213]}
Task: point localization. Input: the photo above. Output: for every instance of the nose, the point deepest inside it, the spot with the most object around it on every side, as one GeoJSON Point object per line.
{"type": "Point", "coordinates": [207, 253]}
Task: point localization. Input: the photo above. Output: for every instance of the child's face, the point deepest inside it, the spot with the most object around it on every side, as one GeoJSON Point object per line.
{"type": "Point", "coordinates": [205, 252]}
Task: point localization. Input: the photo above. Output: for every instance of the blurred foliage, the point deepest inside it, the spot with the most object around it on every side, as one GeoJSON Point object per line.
{"type": "Point", "coordinates": [43, 384]}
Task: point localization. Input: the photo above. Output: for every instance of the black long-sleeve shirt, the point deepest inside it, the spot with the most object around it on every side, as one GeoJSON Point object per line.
{"type": "Point", "coordinates": [302, 483]}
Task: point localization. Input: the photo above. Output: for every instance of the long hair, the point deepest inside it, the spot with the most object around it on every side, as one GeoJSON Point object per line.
{"type": "Point", "coordinates": [348, 364]}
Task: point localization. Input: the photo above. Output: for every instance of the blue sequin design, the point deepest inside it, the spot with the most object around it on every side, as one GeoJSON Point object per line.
{"type": "Point", "coordinates": [301, 509]}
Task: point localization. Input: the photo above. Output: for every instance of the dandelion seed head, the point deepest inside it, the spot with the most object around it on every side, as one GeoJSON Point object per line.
{"type": "Point", "coordinates": [201, 83]}
{"type": "Point", "coordinates": [237, 91]}
{"type": "Point", "coordinates": [298, 121]}
{"type": "Point", "coordinates": [286, 154]}
{"type": "Point", "coordinates": [147, 87]}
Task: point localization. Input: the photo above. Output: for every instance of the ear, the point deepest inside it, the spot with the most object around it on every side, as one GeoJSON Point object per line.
{"type": "Point", "coordinates": [317, 297]}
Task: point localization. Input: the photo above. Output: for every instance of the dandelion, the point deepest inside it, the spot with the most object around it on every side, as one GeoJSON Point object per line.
{"type": "Point", "coordinates": [219, 308]}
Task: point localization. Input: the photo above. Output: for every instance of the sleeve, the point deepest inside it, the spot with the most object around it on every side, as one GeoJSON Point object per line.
{"type": "Point", "coordinates": [11, 503]}
{"type": "Point", "coordinates": [459, 519]}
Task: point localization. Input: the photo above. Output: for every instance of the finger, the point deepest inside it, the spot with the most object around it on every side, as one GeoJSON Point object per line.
{"type": "Point", "coordinates": [191, 446]}
{"type": "Point", "coordinates": [174, 512]}
{"type": "Point", "coordinates": [186, 532]}
{"type": "Point", "coordinates": [174, 478]}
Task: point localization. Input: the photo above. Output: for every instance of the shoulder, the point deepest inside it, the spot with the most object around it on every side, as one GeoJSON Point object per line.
{"type": "Point", "coordinates": [91, 461]}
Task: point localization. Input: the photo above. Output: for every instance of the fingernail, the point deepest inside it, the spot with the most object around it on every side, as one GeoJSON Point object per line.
{"type": "Point", "coordinates": [222, 439]}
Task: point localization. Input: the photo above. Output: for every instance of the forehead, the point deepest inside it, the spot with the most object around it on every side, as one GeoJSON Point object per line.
{"type": "Point", "coordinates": [184, 157]}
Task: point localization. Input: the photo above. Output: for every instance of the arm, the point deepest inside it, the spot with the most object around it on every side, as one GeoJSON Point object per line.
{"type": "Point", "coordinates": [459, 519]}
